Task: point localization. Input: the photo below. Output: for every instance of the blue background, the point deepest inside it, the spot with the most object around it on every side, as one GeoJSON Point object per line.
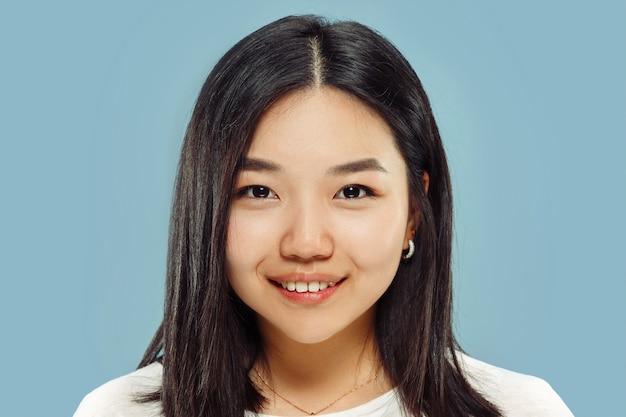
{"type": "Point", "coordinates": [531, 101]}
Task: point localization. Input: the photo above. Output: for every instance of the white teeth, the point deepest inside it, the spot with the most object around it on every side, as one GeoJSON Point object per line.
{"type": "Point", "coordinates": [300, 286]}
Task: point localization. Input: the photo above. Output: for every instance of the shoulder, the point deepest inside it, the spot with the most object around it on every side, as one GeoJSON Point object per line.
{"type": "Point", "coordinates": [517, 395]}
{"type": "Point", "coordinates": [119, 397]}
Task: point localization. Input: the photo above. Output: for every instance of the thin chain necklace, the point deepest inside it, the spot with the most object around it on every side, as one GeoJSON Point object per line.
{"type": "Point", "coordinates": [314, 413]}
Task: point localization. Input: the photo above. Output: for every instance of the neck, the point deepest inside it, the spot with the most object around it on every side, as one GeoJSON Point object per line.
{"type": "Point", "coordinates": [312, 375]}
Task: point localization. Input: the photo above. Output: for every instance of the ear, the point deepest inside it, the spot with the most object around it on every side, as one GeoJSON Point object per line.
{"type": "Point", "coordinates": [426, 180]}
{"type": "Point", "coordinates": [410, 229]}
{"type": "Point", "coordinates": [414, 215]}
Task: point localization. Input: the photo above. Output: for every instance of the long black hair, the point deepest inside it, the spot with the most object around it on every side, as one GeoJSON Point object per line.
{"type": "Point", "coordinates": [208, 340]}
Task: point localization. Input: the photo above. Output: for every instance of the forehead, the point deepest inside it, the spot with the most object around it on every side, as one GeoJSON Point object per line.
{"type": "Point", "coordinates": [322, 123]}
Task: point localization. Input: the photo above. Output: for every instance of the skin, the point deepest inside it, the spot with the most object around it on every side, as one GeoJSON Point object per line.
{"type": "Point", "coordinates": [323, 197]}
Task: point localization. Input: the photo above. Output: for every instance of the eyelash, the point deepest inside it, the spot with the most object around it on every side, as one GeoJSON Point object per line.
{"type": "Point", "coordinates": [263, 192]}
{"type": "Point", "coordinates": [367, 192]}
{"type": "Point", "coordinates": [248, 192]}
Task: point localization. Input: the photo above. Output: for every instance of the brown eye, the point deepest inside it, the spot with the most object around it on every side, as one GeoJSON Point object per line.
{"type": "Point", "coordinates": [354, 191]}
{"type": "Point", "coordinates": [260, 192]}
{"type": "Point", "coordinates": [257, 191]}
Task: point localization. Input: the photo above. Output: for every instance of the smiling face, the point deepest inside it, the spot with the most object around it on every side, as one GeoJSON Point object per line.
{"type": "Point", "coordinates": [320, 215]}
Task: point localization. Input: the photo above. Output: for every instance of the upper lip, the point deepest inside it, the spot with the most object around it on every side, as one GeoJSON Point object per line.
{"type": "Point", "coordinates": [305, 277]}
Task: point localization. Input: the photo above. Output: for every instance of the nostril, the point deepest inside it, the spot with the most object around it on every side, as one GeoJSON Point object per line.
{"type": "Point", "coordinates": [307, 232]}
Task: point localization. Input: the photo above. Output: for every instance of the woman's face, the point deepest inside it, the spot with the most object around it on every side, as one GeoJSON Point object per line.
{"type": "Point", "coordinates": [319, 218]}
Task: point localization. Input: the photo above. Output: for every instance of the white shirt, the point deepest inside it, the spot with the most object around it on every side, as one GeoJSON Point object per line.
{"type": "Point", "coordinates": [516, 395]}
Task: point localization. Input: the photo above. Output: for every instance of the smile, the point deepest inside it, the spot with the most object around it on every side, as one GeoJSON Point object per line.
{"type": "Point", "coordinates": [300, 286]}
{"type": "Point", "coordinates": [307, 289]}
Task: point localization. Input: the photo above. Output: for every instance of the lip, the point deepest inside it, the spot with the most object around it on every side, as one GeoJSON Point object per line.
{"type": "Point", "coordinates": [307, 298]}
{"type": "Point", "coordinates": [305, 277]}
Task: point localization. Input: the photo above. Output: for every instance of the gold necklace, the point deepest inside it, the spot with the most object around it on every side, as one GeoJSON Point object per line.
{"type": "Point", "coordinates": [314, 413]}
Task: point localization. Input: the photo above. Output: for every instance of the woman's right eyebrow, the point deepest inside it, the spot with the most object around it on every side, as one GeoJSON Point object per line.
{"type": "Point", "coordinates": [255, 164]}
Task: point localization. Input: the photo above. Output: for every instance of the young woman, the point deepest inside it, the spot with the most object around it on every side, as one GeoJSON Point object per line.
{"type": "Point", "coordinates": [309, 254]}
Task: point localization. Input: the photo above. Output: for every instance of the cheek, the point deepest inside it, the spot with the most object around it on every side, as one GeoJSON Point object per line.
{"type": "Point", "coordinates": [246, 240]}
{"type": "Point", "coordinates": [375, 245]}
{"type": "Point", "coordinates": [240, 250]}
{"type": "Point", "coordinates": [241, 261]}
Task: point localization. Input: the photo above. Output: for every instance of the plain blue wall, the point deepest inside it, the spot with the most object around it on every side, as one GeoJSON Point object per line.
{"type": "Point", "coordinates": [531, 101]}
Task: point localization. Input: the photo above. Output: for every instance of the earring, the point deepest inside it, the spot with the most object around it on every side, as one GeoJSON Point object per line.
{"type": "Point", "coordinates": [410, 251]}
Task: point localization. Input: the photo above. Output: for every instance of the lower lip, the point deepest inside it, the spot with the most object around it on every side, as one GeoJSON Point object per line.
{"type": "Point", "coordinates": [308, 297]}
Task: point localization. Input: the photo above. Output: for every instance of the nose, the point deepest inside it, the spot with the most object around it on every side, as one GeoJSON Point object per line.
{"type": "Point", "coordinates": [307, 234]}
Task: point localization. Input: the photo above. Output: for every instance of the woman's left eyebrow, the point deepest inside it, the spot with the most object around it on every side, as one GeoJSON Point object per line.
{"type": "Point", "coordinates": [369, 164]}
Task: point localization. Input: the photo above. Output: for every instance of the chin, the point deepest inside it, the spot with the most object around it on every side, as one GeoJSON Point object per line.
{"type": "Point", "coordinates": [310, 339]}
{"type": "Point", "coordinates": [310, 334]}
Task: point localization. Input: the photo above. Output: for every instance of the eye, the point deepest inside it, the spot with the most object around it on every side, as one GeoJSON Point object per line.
{"type": "Point", "coordinates": [354, 191]}
{"type": "Point", "coordinates": [256, 191]}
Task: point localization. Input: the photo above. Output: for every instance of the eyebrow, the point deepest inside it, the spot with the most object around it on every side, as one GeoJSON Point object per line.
{"type": "Point", "coordinates": [368, 164]}
{"type": "Point", "coordinates": [253, 164]}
